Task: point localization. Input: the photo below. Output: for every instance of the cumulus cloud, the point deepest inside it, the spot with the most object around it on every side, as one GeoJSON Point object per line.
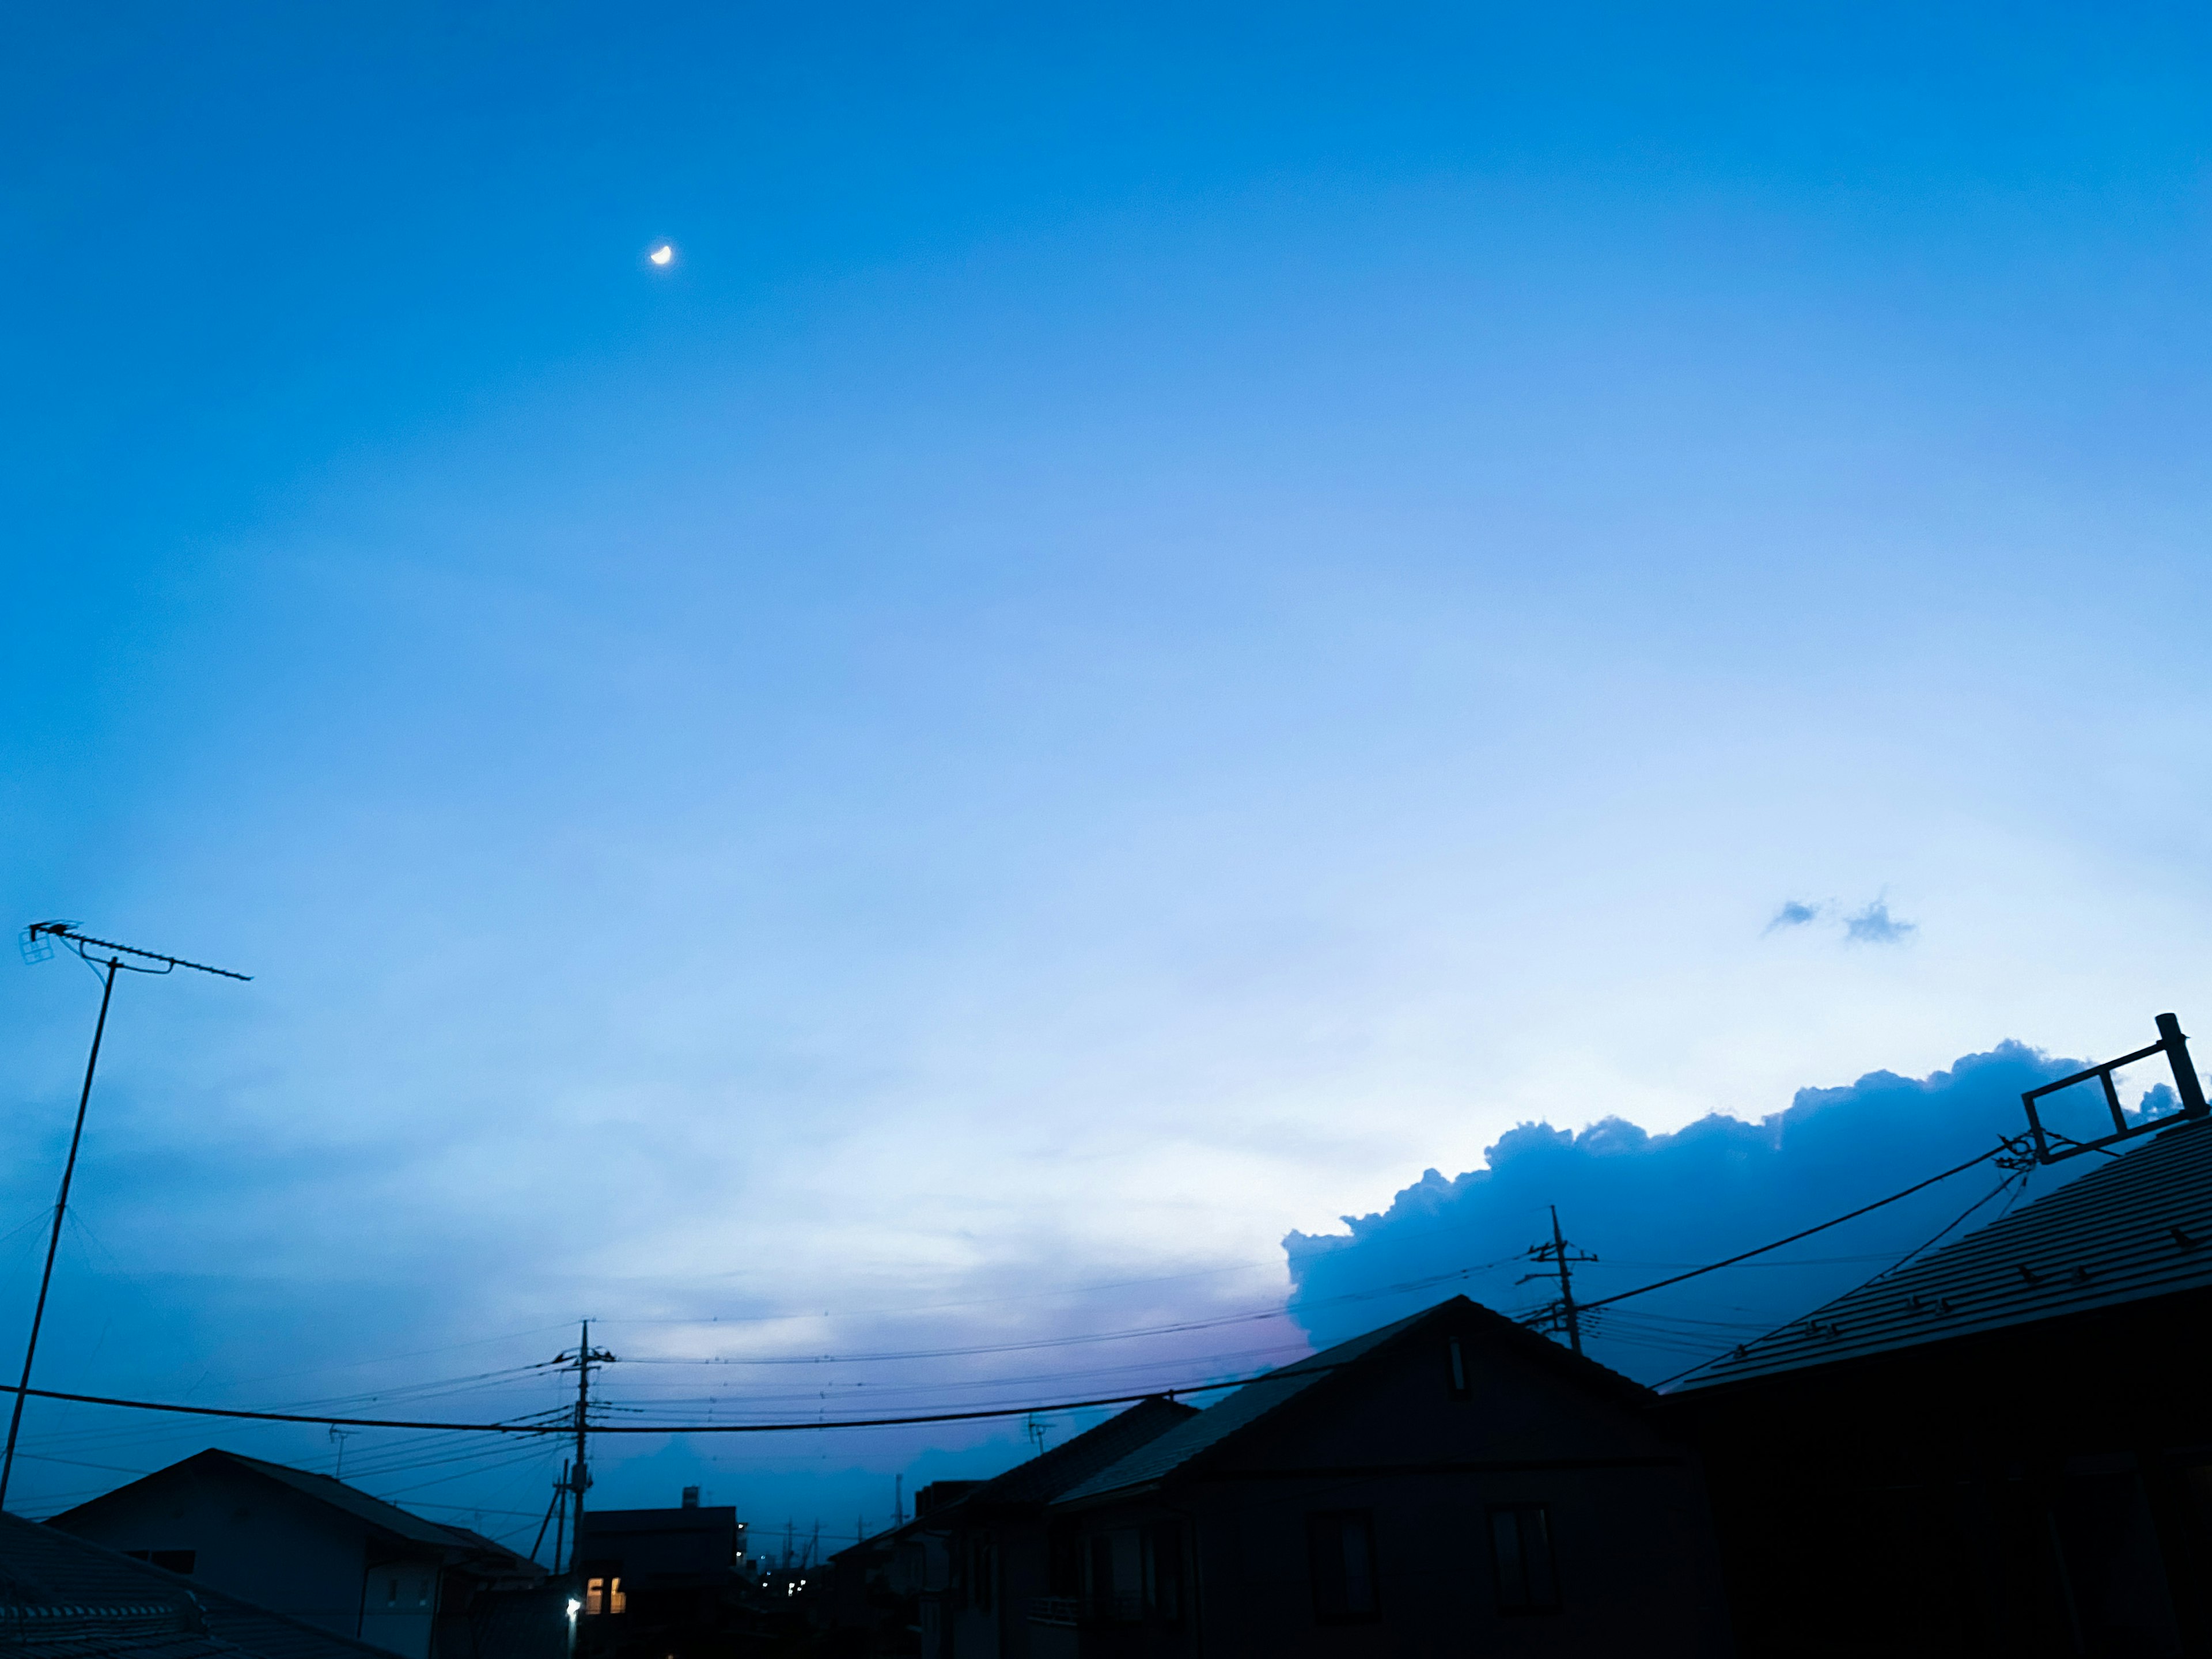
{"type": "Point", "coordinates": [1646, 1204]}
{"type": "Point", "coordinates": [1875, 925]}
{"type": "Point", "coordinates": [1794, 913]}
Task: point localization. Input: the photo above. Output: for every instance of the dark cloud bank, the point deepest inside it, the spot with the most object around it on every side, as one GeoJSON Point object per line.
{"type": "Point", "coordinates": [1645, 1202]}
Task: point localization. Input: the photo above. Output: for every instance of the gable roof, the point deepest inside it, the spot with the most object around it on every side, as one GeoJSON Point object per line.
{"type": "Point", "coordinates": [387, 1518]}
{"type": "Point", "coordinates": [1046, 1476]}
{"type": "Point", "coordinates": [1239, 1411]}
{"type": "Point", "coordinates": [65, 1597]}
{"type": "Point", "coordinates": [2137, 1227]}
{"type": "Point", "coordinates": [1256, 1400]}
{"type": "Point", "coordinates": [375, 1511]}
{"type": "Point", "coordinates": [1041, 1478]}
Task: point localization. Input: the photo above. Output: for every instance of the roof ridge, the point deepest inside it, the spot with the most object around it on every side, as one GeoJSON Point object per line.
{"type": "Point", "coordinates": [1259, 1400]}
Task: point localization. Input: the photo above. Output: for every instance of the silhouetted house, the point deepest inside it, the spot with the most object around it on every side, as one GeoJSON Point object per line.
{"type": "Point", "coordinates": [1452, 1483]}
{"type": "Point", "coordinates": [662, 1582]}
{"type": "Point", "coordinates": [864, 1615]}
{"type": "Point", "coordinates": [996, 1547]}
{"type": "Point", "coordinates": [321, 1551]}
{"type": "Point", "coordinates": [2001, 1448]}
{"type": "Point", "coordinates": [65, 1597]}
{"type": "Point", "coordinates": [922, 1567]}
{"type": "Point", "coordinates": [886, 1594]}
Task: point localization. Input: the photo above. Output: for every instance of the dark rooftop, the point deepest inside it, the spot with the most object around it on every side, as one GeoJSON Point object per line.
{"type": "Point", "coordinates": [2140, 1226]}
{"type": "Point", "coordinates": [388, 1518]}
{"type": "Point", "coordinates": [1046, 1476]}
{"type": "Point", "coordinates": [65, 1597]}
{"type": "Point", "coordinates": [1218, 1422]}
{"type": "Point", "coordinates": [1263, 1397]}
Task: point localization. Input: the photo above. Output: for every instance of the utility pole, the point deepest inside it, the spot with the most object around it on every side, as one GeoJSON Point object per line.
{"type": "Point", "coordinates": [1561, 1256]}
{"type": "Point", "coordinates": [559, 1517]}
{"type": "Point", "coordinates": [38, 946]}
{"type": "Point", "coordinates": [580, 1473]}
{"type": "Point", "coordinates": [553, 1509]}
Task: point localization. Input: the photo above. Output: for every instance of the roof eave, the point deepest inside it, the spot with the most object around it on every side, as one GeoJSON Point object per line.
{"type": "Point", "coordinates": [1118, 1495]}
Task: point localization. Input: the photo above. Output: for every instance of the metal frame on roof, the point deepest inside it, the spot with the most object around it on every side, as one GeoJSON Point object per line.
{"type": "Point", "coordinates": [2173, 1044]}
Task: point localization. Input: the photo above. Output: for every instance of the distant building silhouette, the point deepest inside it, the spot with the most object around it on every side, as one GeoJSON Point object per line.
{"type": "Point", "coordinates": [660, 1581]}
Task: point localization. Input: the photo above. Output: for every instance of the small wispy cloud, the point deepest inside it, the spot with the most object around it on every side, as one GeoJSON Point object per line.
{"type": "Point", "coordinates": [1875, 925]}
{"type": "Point", "coordinates": [1794, 913]}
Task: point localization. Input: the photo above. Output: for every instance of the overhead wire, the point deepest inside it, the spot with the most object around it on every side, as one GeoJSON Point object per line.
{"type": "Point", "coordinates": [1997, 1151]}
{"type": "Point", "coordinates": [2015, 1180]}
{"type": "Point", "coordinates": [537, 1423]}
{"type": "Point", "coordinates": [523, 1427]}
{"type": "Point", "coordinates": [1175, 1328]}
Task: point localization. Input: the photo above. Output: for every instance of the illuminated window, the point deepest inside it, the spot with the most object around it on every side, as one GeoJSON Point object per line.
{"type": "Point", "coordinates": [604, 1595]}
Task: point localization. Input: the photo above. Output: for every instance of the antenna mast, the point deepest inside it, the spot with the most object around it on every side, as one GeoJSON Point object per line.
{"type": "Point", "coordinates": [38, 946]}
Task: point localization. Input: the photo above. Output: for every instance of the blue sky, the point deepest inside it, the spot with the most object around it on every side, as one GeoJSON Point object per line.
{"type": "Point", "coordinates": [1163, 619]}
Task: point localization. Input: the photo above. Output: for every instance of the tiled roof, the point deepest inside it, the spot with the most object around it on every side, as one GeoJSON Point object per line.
{"type": "Point", "coordinates": [1170, 1451]}
{"type": "Point", "coordinates": [2140, 1226]}
{"type": "Point", "coordinates": [63, 1597]}
{"type": "Point", "coordinates": [1046, 1475]}
{"type": "Point", "coordinates": [93, 1640]}
{"type": "Point", "coordinates": [42, 1570]}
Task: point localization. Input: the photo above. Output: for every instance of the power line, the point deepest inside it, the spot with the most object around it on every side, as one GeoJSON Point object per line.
{"type": "Point", "coordinates": [1079, 1339]}
{"type": "Point", "coordinates": [1999, 1150]}
{"type": "Point", "coordinates": [1273, 1264]}
{"type": "Point", "coordinates": [567, 1419]}
{"type": "Point", "coordinates": [1561, 1256]}
{"type": "Point", "coordinates": [2015, 1180]}
{"type": "Point", "coordinates": [568, 1425]}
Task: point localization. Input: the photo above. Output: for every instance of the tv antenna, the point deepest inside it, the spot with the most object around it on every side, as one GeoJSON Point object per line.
{"type": "Point", "coordinates": [105, 958]}
{"type": "Point", "coordinates": [2051, 1146]}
